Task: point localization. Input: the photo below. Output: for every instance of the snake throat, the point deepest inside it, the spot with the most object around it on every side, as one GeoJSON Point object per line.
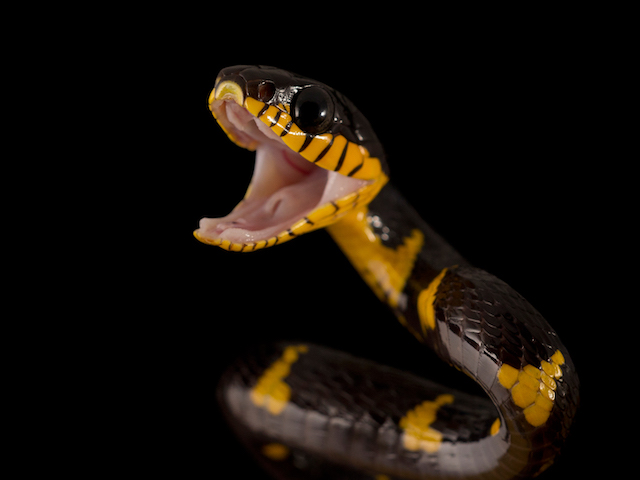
{"type": "Point", "coordinates": [288, 195]}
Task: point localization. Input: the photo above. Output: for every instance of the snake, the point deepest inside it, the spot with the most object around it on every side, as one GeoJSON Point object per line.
{"type": "Point", "coordinates": [305, 411]}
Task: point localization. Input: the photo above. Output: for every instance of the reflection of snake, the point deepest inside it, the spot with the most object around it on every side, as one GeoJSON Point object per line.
{"type": "Point", "coordinates": [310, 412]}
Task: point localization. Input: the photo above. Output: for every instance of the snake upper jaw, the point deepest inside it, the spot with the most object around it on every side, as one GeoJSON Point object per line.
{"type": "Point", "coordinates": [284, 191]}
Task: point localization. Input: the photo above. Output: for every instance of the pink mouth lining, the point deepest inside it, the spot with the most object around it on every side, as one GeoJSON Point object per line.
{"type": "Point", "coordinates": [284, 187]}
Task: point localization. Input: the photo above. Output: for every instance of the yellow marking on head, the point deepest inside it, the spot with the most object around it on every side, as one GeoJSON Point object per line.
{"type": "Point", "coordinates": [316, 147]}
{"type": "Point", "coordinates": [227, 90]}
{"type": "Point", "coordinates": [372, 168]}
{"type": "Point", "coordinates": [384, 269]}
{"type": "Point", "coordinates": [418, 434]}
{"type": "Point", "coordinates": [342, 156]}
{"type": "Point", "coordinates": [355, 158]}
{"type": "Point", "coordinates": [275, 451]}
{"type": "Point", "coordinates": [426, 299]}
{"type": "Point", "coordinates": [270, 115]}
{"type": "Point", "coordinates": [254, 106]}
{"type": "Point", "coordinates": [495, 427]}
{"type": "Point", "coordinates": [271, 392]}
{"type": "Point", "coordinates": [533, 389]}
{"type": "Point", "coordinates": [282, 122]}
{"type": "Point", "coordinates": [295, 138]}
{"type": "Point", "coordinates": [352, 157]}
{"type": "Point", "coordinates": [329, 160]}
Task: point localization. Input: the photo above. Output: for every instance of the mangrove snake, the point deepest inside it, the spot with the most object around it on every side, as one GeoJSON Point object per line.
{"type": "Point", "coordinates": [310, 412]}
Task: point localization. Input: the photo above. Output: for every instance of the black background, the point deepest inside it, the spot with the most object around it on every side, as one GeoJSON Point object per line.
{"type": "Point", "coordinates": [486, 135]}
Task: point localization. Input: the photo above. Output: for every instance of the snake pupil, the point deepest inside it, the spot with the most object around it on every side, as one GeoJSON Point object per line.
{"type": "Point", "coordinates": [313, 110]}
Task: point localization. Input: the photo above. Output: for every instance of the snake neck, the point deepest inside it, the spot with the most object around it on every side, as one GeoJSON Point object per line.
{"type": "Point", "coordinates": [395, 252]}
{"type": "Point", "coordinates": [383, 268]}
{"type": "Point", "coordinates": [473, 321]}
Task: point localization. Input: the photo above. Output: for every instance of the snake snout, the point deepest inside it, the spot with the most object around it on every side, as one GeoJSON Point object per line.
{"type": "Point", "coordinates": [227, 90]}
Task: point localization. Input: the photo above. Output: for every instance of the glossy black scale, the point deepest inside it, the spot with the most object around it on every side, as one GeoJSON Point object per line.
{"type": "Point", "coordinates": [343, 408]}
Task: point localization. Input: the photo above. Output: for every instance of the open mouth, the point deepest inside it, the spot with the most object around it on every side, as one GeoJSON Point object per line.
{"type": "Point", "coordinates": [288, 194]}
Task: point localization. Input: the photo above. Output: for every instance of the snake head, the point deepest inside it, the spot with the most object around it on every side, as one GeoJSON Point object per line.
{"type": "Point", "coordinates": [317, 157]}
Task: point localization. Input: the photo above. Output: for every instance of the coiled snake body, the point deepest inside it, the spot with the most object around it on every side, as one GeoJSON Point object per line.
{"type": "Point", "coordinates": [311, 412]}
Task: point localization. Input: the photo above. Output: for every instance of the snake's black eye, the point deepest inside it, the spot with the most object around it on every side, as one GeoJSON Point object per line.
{"type": "Point", "coordinates": [313, 110]}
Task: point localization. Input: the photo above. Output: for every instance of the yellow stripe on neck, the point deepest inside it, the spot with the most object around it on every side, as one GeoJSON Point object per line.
{"type": "Point", "coordinates": [385, 269]}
